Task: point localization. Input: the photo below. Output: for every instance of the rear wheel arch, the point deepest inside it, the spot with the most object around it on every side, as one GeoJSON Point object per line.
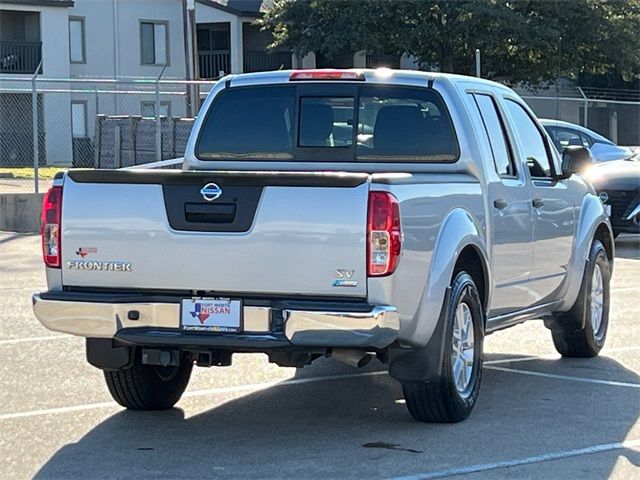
{"type": "Point", "coordinates": [423, 363]}
{"type": "Point", "coordinates": [473, 262]}
{"type": "Point", "coordinates": [605, 235]}
{"type": "Point", "coordinates": [458, 231]}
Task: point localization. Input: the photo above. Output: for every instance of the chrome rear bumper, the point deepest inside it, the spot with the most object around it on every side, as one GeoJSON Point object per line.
{"type": "Point", "coordinates": [377, 328]}
{"type": "Point", "coordinates": [159, 322]}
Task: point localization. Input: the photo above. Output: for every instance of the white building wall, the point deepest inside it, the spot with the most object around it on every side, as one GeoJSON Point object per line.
{"type": "Point", "coordinates": [54, 35]}
{"type": "Point", "coordinates": [113, 47]}
{"type": "Point", "coordinates": [113, 50]}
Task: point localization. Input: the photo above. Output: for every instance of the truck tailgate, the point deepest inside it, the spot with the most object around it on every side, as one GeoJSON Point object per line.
{"type": "Point", "coordinates": [278, 234]}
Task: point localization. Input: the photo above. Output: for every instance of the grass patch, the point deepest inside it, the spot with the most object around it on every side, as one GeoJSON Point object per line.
{"type": "Point", "coordinates": [45, 173]}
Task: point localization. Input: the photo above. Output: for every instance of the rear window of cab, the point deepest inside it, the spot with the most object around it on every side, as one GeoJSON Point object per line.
{"type": "Point", "coordinates": [327, 123]}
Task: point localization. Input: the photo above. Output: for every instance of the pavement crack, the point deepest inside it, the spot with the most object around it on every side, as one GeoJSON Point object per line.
{"type": "Point", "coordinates": [390, 446]}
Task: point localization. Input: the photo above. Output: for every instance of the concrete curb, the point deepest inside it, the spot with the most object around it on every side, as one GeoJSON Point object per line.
{"type": "Point", "coordinates": [20, 212]}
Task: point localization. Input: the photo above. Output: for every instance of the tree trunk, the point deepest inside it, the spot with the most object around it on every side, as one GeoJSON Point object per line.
{"type": "Point", "coordinates": [446, 63]}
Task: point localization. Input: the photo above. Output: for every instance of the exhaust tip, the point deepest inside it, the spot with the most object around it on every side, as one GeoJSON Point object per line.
{"type": "Point", "coordinates": [353, 358]}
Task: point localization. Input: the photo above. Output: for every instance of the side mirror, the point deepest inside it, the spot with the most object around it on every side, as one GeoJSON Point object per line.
{"type": "Point", "coordinates": [575, 160]}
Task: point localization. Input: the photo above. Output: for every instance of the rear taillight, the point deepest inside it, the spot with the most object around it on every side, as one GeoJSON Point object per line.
{"type": "Point", "coordinates": [51, 228]}
{"type": "Point", "coordinates": [384, 234]}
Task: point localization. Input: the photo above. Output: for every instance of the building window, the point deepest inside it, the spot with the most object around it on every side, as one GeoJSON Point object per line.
{"type": "Point", "coordinates": [79, 119]}
{"type": "Point", "coordinates": [76, 40]}
{"type": "Point", "coordinates": [154, 43]}
{"type": "Point", "coordinates": [148, 109]}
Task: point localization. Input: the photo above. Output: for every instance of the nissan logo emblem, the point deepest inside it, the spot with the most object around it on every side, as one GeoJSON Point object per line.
{"type": "Point", "coordinates": [604, 197]}
{"type": "Point", "coordinates": [210, 192]}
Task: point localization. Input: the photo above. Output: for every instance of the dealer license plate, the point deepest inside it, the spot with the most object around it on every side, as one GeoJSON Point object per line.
{"type": "Point", "coordinates": [211, 315]}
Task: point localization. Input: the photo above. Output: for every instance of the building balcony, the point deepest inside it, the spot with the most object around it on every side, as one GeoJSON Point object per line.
{"type": "Point", "coordinates": [264, 61]}
{"type": "Point", "coordinates": [214, 63]}
{"type": "Point", "coordinates": [20, 57]}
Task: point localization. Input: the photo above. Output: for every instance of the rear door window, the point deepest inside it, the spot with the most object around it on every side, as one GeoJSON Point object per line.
{"type": "Point", "coordinates": [494, 128]}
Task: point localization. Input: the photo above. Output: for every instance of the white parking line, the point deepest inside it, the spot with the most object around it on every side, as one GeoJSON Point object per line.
{"type": "Point", "coordinates": [49, 411]}
{"type": "Point", "coordinates": [34, 339]}
{"type": "Point", "coordinates": [624, 289]}
{"type": "Point", "coordinates": [553, 356]}
{"type": "Point", "coordinates": [628, 348]}
{"type": "Point", "coordinates": [512, 359]}
{"type": "Point", "coordinates": [484, 467]}
{"type": "Point", "coordinates": [194, 393]}
{"type": "Point", "coordinates": [566, 377]}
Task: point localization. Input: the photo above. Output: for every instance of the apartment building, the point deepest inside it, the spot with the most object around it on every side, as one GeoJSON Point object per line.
{"type": "Point", "coordinates": [114, 39]}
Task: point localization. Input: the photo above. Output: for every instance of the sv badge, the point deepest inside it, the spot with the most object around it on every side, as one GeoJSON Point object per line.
{"type": "Point", "coordinates": [343, 278]}
{"type": "Point", "coordinates": [340, 273]}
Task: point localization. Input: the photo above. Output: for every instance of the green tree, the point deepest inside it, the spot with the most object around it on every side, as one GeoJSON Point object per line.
{"type": "Point", "coordinates": [520, 40]}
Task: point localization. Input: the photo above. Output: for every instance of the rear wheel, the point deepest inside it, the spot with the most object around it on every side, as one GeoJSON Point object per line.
{"type": "Point", "coordinates": [452, 395]}
{"type": "Point", "coordinates": [149, 387]}
{"type": "Point", "coordinates": [581, 331]}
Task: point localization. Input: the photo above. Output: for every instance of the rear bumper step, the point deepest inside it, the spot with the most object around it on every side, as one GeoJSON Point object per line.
{"type": "Point", "coordinates": [158, 324]}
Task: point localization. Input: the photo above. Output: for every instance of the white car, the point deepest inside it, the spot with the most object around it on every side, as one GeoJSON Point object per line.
{"type": "Point", "coordinates": [565, 134]}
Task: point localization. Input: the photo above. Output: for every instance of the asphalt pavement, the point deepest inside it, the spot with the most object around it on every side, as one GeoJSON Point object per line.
{"type": "Point", "coordinates": [538, 416]}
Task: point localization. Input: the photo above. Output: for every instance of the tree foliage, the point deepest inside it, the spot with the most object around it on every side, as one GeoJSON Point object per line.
{"type": "Point", "coordinates": [520, 40]}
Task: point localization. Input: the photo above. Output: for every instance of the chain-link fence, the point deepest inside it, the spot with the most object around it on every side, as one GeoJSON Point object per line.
{"type": "Point", "coordinates": [614, 113]}
{"type": "Point", "coordinates": [106, 123]}
{"type": "Point", "coordinates": [91, 123]}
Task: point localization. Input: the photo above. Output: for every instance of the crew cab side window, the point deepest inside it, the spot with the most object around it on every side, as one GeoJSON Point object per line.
{"type": "Point", "coordinates": [494, 127]}
{"type": "Point", "coordinates": [533, 144]}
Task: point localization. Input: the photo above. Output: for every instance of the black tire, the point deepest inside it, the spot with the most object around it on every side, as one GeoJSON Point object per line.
{"type": "Point", "coordinates": [572, 331]}
{"type": "Point", "coordinates": [439, 400]}
{"type": "Point", "coordinates": [149, 387]}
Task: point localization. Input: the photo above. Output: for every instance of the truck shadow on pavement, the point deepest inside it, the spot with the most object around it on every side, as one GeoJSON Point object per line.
{"type": "Point", "coordinates": [359, 427]}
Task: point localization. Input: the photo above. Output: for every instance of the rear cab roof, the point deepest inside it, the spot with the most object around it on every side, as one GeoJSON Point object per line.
{"type": "Point", "coordinates": [449, 86]}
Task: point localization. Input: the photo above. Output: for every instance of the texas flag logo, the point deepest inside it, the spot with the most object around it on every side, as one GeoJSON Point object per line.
{"type": "Point", "coordinates": [84, 251]}
{"type": "Point", "coordinates": [202, 312]}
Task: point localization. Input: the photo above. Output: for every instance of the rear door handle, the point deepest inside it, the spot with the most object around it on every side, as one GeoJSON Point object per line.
{"type": "Point", "coordinates": [500, 204]}
{"type": "Point", "coordinates": [538, 203]}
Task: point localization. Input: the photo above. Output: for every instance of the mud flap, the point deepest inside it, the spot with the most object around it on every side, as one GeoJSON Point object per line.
{"type": "Point", "coordinates": [422, 364]}
{"type": "Point", "coordinates": [102, 354]}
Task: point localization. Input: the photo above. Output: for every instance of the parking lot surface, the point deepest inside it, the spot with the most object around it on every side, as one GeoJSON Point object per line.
{"type": "Point", "coordinates": [538, 416]}
{"type": "Point", "coordinates": [22, 185]}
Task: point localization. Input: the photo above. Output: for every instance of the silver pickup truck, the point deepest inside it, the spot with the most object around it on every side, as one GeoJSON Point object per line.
{"type": "Point", "coordinates": [340, 213]}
